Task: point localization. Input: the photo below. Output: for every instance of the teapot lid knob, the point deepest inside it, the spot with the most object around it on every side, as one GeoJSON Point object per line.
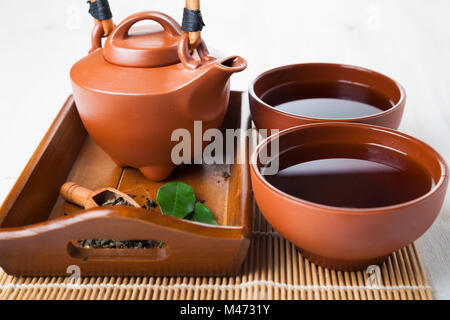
{"type": "Point", "coordinates": [155, 49]}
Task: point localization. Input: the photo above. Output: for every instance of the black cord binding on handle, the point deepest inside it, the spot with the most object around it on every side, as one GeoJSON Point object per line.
{"type": "Point", "coordinates": [192, 21]}
{"type": "Point", "coordinates": [100, 10]}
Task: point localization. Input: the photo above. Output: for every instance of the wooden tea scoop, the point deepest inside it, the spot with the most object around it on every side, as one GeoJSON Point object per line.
{"type": "Point", "coordinates": [88, 199]}
{"type": "Point", "coordinates": [108, 25]}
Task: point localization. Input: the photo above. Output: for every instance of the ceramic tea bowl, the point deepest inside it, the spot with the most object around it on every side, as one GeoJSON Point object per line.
{"type": "Point", "coordinates": [349, 238]}
{"type": "Point", "coordinates": [324, 81]}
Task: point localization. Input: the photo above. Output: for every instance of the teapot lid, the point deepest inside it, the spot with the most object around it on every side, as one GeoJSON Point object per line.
{"type": "Point", "coordinates": [156, 49]}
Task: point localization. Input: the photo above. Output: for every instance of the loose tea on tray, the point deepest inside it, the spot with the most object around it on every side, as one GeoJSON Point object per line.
{"type": "Point", "coordinates": [119, 244]}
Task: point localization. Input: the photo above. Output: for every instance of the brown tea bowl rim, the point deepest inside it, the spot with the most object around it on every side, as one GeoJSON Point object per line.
{"type": "Point", "coordinates": [343, 210]}
{"type": "Point", "coordinates": [399, 87]}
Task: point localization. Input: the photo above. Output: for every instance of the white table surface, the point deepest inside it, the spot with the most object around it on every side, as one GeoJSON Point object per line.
{"type": "Point", "coordinates": [406, 39]}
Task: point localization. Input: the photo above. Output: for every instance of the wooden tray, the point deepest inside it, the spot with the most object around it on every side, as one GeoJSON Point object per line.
{"type": "Point", "coordinates": [39, 231]}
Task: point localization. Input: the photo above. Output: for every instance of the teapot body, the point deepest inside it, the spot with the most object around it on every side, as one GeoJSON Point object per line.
{"type": "Point", "coordinates": [136, 129]}
{"type": "Point", "coordinates": [132, 112]}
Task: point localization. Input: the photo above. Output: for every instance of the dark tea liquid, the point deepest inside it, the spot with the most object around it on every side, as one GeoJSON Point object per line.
{"type": "Point", "coordinates": [327, 100]}
{"type": "Point", "coordinates": [353, 183]}
{"type": "Point", "coordinates": [328, 108]}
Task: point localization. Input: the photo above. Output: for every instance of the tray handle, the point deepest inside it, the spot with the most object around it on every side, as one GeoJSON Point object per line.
{"type": "Point", "coordinates": [182, 239]}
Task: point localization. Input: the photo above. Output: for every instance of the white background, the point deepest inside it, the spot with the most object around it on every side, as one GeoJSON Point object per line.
{"type": "Point", "coordinates": [405, 39]}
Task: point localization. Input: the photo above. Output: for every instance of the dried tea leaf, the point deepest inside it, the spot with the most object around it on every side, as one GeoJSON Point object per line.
{"type": "Point", "coordinates": [116, 202]}
{"type": "Point", "coordinates": [119, 244]}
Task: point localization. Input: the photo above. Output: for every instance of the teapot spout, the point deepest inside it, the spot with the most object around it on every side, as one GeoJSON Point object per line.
{"type": "Point", "coordinates": [232, 64]}
{"type": "Point", "coordinates": [208, 97]}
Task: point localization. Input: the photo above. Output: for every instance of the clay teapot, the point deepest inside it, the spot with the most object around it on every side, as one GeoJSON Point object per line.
{"type": "Point", "coordinates": [133, 93]}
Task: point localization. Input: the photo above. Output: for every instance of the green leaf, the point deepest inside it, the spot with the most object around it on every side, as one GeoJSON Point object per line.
{"type": "Point", "coordinates": [203, 214]}
{"type": "Point", "coordinates": [176, 199]}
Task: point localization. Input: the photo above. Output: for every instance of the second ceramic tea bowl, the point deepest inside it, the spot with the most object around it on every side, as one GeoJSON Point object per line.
{"type": "Point", "coordinates": [324, 80]}
{"type": "Point", "coordinates": [347, 238]}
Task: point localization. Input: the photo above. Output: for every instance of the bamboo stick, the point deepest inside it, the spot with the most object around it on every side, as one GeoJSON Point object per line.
{"type": "Point", "coordinates": [348, 282]}
{"type": "Point", "coordinates": [296, 262]}
{"type": "Point", "coordinates": [314, 281]}
{"type": "Point", "coordinates": [416, 272]}
{"type": "Point", "coordinates": [163, 294]}
{"type": "Point", "coordinates": [404, 274]}
{"type": "Point", "coordinates": [398, 276]}
{"type": "Point", "coordinates": [386, 281]}
{"type": "Point", "coordinates": [156, 291]}
{"type": "Point", "coordinates": [148, 292]}
{"type": "Point", "coordinates": [170, 292]}
{"type": "Point", "coordinates": [392, 279]}
{"type": "Point", "coordinates": [354, 282]}
{"type": "Point", "coordinates": [289, 265]}
{"type": "Point", "coordinates": [409, 272]}
{"type": "Point", "coordinates": [203, 291]}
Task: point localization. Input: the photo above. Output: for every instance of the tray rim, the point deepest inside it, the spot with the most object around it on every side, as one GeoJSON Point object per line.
{"type": "Point", "coordinates": [33, 161]}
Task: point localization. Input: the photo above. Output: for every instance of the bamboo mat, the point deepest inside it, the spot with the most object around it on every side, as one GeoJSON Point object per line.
{"type": "Point", "coordinates": [274, 269]}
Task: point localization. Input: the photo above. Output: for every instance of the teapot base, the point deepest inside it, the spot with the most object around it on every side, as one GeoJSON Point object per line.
{"type": "Point", "coordinates": [157, 173]}
{"type": "Point", "coordinates": [119, 164]}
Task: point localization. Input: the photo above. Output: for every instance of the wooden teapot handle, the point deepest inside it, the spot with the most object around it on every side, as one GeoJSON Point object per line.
{"type": "Point", "coordinates": [195, 38]}
{"type": "Point", "coordinates": [108, 25]}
